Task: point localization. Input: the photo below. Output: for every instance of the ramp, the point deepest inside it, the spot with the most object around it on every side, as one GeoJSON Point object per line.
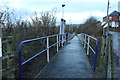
{"type": "Point", "coordinates": [70, 62]}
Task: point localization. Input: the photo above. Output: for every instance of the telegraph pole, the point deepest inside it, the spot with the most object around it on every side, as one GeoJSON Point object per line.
{"type": "Point", "coordinates": [108, 43]}
{"type": "Point", "coordinates": [107, 14]}
{"type": "Point", "coordinates": [105, 40]}
{"type": "Point", "coordinates": [105, 33]}
{"type": "Point", "coordinates": [107, 29]}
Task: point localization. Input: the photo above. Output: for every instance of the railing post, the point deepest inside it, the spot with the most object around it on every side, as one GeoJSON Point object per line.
{"type": "Point", "coordinates": [68, 36]}
{"type": "Point", "coordinates": [65, 38]}
{"type": "Point", "coordinates": [85, 41]}
{"type": "Point", "coordinates": [95, 56]}
{"type": "Point", "coordinates": [59, 40]}
{"type": "Point", "coordinates": [47, 49]}
{"type": "Point", "coordinates": [57, 43]}
{"type": "Point", "coordinates": [20, 60]}
{"type": "Point", "coordinates": [88, 46]}
{"type": "Point", "coordinates": [62, 40]}
{"type": "Point", "coordinates": [82, 38]}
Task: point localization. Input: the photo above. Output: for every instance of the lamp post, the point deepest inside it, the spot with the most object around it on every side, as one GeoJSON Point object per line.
{"type": "Point", "coordinates": [63, 5]}
{"type": "Point", "coordinates": [62, 23]}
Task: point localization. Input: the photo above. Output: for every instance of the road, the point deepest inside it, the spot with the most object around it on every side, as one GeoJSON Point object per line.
{"type": "Point", "coordinates": [116, 50]}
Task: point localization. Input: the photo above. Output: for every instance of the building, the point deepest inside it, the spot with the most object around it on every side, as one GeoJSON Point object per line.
{"type": "Point", "coordinates": [114, 17]}
{"type": "Point", "coordinates": [114, 20]}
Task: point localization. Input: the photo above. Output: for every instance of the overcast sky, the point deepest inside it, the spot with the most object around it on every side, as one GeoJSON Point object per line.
{"type": "Point", "coordinates": [75, 11]}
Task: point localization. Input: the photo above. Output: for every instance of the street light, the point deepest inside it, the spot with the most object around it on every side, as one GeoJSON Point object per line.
{"type": "Point", "coordinates": [63, 5]}
{"type": "Point", "coordinates": [62, 23]}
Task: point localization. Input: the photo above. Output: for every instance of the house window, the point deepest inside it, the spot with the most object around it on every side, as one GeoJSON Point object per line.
{"type": "Point", "coordinates": [113, 24]}
{"type": "Point", "coordinates": [110, 18]}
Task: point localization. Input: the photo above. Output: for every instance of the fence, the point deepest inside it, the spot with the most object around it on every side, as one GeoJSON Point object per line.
{"type": "Point", "coordinates": [85, 39]}
{"type": "Point", "coordinates": [0, 53]}
{"type": "Point", "coordinates": [61, 38]}
{"type": "Point", "coordinates": [8, 65]}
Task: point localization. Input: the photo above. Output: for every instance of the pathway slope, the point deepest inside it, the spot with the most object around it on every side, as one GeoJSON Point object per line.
{"type": "Point", "coordinates": [70, 62]}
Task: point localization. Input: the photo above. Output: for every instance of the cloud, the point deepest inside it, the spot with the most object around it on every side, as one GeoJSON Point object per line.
{"type": "Point", "coordinates": [77, 10]}
{"type": "Point", "coordinates": [81, 17]}
{"type": "Point", "coordinates": [69, 0]}
{"type": "Point", "coordinates": [75, 18]}
{"type": "Point", "coordinates": [11, 3]}
{"type": "Point", "coordinates": [98, 14]}
{"type": "Point", "coordinates": [15, 5]}
{"type": "Point", "coordinates": [39, 9]}
{"type": "Point", "coordinates": [94, 0]}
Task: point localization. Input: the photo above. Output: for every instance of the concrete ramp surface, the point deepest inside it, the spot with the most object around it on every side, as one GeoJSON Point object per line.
{"type": "Point", "coordinates": [70, 62]}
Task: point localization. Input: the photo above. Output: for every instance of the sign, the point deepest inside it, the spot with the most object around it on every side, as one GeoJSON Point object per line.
{"type": "Point", "coordinates": [62, 26]}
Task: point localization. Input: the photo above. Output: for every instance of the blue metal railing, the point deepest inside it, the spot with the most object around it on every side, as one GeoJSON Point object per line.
{"type": "Point", "coordinates": [47, 49]}
{"type": "Point", "coordinates": [86, 40]}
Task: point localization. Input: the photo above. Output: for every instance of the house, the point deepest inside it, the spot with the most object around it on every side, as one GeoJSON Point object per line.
{"type": "Point", "coordinates": [114, 19]}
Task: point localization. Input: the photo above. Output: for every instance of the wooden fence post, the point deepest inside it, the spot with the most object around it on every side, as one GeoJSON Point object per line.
{"type": "Point", "coordinates": [109, 67]}
{"type": "Point", "coordinates": [8, 58]}
{"type": "Point", "coordinates": [0, 53]}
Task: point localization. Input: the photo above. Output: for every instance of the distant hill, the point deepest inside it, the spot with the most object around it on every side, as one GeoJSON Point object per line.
{"type": "Point", "coordinates": [73, 24]}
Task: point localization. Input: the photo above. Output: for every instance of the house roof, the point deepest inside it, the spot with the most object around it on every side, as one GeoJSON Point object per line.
{"type": "Point", "coordinates": [114, 13]}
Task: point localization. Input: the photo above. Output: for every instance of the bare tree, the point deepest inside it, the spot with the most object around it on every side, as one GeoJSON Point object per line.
{"type": "Point", "coordinates": [90, 26]}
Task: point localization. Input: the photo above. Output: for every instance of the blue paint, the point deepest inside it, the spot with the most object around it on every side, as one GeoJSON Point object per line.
{"type": "Point", "coordinates": [95, 57]}
{"type": "Point", "coordinates": [94, 51]}
{"type": "Point", "coordinates": [27, 41]}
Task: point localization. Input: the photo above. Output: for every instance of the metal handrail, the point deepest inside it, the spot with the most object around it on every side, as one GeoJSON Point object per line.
{"type": "Point", "coordinates": [47, 49]}
{"type": "Point", "coordinates": [84, 42]}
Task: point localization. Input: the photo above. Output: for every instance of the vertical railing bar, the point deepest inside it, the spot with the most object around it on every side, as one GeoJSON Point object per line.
{"type": "Point", "coordinates": [59, 40]}
{"type": "Point", "coordinates": [95, 56]}
{"type": "Point", "coordinates": [88, 45]}
{"type": "Point", "coordinates": [82, 38]}
{"type": "Point", "coordinates": [65, 38]}
{"type": "Point", "coordinates": [48, 49]}
{"type": "Point", "coordinates": [68, 36]}
{"type": "Point", "coordinates": [62, 40]}
{"type": "Point", "coordinates": [85, 41]}
{"type": "Point", "coordinates": [20, 60]}
{"type": "Point", "coordinates": [57, 43]}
